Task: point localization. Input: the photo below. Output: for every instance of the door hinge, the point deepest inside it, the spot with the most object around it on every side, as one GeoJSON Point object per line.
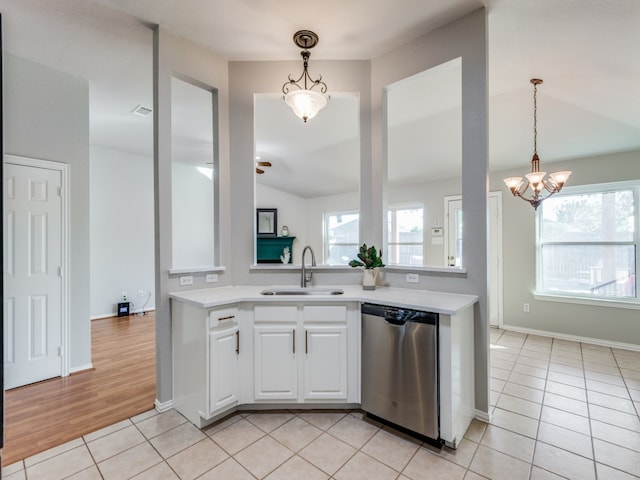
{"type": "Point", "coordinates": [60, 271]}
{"type": "Point", "coordinates": [59, 351]}
{"type": "Point", "coordinates": [60, 191]}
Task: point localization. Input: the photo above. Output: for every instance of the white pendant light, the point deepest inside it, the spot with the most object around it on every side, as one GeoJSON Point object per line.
{"type": "Point", "coordinates": [302, 98]}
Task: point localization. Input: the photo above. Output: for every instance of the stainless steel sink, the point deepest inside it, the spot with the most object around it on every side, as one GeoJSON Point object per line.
{"type": "Point", "coordinates": [302, 291]}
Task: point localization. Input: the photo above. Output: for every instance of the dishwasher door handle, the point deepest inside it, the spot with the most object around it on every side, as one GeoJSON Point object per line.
{"type": "Point", "coordinates": [394, 323]}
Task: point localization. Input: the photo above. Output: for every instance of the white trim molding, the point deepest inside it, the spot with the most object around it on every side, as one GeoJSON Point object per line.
{"type": "Point", "coordinates": [163, 406]}
{"type": "Point", "coordinates": [81, 368]}
{"type": "Point", "coordinates": [575, 338]}
{"type": "Point", "coordinates": [482, 416]}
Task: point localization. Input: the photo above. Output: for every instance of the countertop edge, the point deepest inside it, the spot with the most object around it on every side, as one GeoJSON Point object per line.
{"type": "Point", "coordinates": [440, 302]}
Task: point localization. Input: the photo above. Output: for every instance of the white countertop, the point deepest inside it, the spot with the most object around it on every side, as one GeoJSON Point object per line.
{"type": "Point", "coordinates": [439, 302]}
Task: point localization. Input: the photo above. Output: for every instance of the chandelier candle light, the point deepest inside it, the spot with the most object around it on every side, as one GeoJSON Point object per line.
{"type": "Point", "coordinates": [304, 101]}
{"type": "Point", "coordinates": [538, 181]}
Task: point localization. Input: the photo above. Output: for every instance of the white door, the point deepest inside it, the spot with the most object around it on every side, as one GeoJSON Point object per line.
{"type": "Point", "coordinates": [453, 250]}
{"type": "Point", "coordinates": [325, 364]}
{"type": "Point", "coordinates": [275, 366]}
{"type": "Point", "coordinates": [495, 258]}
{"type": "Point", "coordinates": [223, 368]}
{"type": "Point", "coordinates": [33, 284]}
{"type": "Point", "coordinates": [453, 241]}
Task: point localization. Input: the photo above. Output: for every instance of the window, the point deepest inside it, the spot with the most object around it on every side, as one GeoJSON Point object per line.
{"type": "Point", "coordinates": [406, 235]}
{"type": "Point", "coordinates": [588, 242]}
{"type": "Point", "coordinates": [341, 232]}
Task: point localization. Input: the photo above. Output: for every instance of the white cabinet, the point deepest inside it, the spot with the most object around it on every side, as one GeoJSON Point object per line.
{"type": "Point", "coordinates": [224, 349]}
{"type": "Point", "coordinates": [274, 359]}
{"type": "Point", "coordinates": [325, 362]}
{"type": "Point", "coordinates": [205, 360]}
{"type": "Point", "coordinates": [259, 353]}
{"type": "Point", "coordinates": [301, 352]}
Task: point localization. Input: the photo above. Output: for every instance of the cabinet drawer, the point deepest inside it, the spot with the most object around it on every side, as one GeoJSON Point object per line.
{"type": "Point", "coordinates": [275, 313]}
{"type": "Point", "coordinates": [331, 313]}
{"type": "Point", "coordinates": [222, 317]}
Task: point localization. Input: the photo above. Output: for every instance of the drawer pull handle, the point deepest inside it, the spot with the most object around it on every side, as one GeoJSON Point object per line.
{"type": "Point", "coordinates": [238, 342]}
{"type": "Point", "coordinates": [306, 341]}
{"type": "Point", "coordinates": [294, 341]}
{"type": "Point", "coordinates": [229, 317]}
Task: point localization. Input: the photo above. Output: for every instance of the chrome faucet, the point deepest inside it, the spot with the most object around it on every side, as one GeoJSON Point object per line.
{"type": "Point", "coordinates": [306, 276]}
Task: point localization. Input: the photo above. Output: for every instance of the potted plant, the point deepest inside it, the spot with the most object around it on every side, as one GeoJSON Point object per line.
{"type": "Point", "coordinates": [370, 259]}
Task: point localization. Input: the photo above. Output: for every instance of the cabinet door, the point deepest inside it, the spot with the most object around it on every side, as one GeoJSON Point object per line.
{"type": "Point", "coordinates": [325, 363]}
{"type": "Point", "coordinates": [223, 368]}
{"type": "Point", "coordinates": [275, 368]}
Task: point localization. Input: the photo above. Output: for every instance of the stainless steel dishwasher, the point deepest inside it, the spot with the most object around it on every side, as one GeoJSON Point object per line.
{"type": "Point", "coordinates": [400, 368]}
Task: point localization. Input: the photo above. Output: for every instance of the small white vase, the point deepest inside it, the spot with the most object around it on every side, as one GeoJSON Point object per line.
{"type": "Point", "coordinates": [369, 278]}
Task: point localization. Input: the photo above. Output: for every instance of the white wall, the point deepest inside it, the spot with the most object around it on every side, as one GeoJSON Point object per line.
{"type": "Point", "coordinates": [291, 212]}
{"type": "Point", "coordinates": [46, 116]}
{"type": "Point", "coordinates": [121, 198]}
{"type": "Point", "coordinates": [431, 195]}
{"type": "Point", "coordinates": [192, 217]}
{"type": "Point", "coordinates": [317, 207]}
{"type": "Point", "coordinates": [304, 216]}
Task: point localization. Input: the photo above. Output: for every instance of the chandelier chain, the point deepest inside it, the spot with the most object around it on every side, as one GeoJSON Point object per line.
{"type": "Point", "coordinates": [535, 118]}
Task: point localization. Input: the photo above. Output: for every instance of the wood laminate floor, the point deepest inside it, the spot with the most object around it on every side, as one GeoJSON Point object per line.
{"type": "Point", "coordinates": [121, 384]}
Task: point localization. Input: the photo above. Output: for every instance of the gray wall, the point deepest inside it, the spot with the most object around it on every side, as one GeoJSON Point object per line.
{"type": "Point", "coordinates": [174, 56]}
{"type": "Point", "coordinates": [47, 117]}
{"type": "Point", "coordinates": [465, 38]}
{"type": "Point", "coordinates": [246, 79]}
{"type": "Point", "coordinates": [519, 253]}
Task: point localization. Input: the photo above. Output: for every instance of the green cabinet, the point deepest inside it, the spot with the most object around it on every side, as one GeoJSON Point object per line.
{"type": "Point", "coordinates": [270, 248]}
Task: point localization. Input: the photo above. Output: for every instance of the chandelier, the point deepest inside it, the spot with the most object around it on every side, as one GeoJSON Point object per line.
{"type": "Point", "coordinates": [538, 186]}
{"type": "Point", "coordinates": [303, 100]}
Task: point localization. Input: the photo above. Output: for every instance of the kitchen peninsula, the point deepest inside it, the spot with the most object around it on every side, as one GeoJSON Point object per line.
{"type": "Point", "coordinates": [238, 348]}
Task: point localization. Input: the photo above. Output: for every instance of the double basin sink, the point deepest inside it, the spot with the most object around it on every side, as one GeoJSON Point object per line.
{"type": "Point", "coordinates": [302, 291]}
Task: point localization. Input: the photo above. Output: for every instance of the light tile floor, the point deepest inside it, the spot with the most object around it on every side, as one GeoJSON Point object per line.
{"type": "Point", "coordinates": [559, 409]}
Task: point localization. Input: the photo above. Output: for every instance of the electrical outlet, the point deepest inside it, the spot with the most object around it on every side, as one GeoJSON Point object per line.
{"type": "Point", "coordinates": [526, 307]}
{"type": "Point", "coordinates": [141, 293]}
{"type": "Point", "coordinates": [211, 277]}
{"type": "Point", "coordinates": [412, 278]}
{"type": "Point", "coordinates": [186, 280]}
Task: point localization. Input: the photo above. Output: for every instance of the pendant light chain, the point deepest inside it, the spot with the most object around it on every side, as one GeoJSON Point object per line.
{"type": "Point", "coordinates": [535, 118]}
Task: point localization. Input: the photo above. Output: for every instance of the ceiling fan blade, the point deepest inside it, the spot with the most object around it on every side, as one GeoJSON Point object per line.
{"type": "Point", "coordinates": [263, 164]}
{"type": "Point", "coordinates": [259, 171]}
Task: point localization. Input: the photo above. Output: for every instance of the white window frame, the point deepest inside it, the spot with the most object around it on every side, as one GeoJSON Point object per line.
{"type": "Point", "coordinates": [326, 244]}
{"type": "Point", "coordinates": [633, 303]}
{"type": "Point", "coordinates": [406, 206]}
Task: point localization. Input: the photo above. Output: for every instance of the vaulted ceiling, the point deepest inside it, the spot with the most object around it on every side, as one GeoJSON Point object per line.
{"type": "Point", "coordinates": [585, 50]}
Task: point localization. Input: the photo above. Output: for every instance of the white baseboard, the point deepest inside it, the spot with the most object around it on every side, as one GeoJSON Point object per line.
{"type": "Point", "coordinates": [574, 338]}
{"type": "Point", "coordinates": [114, 314]}
{"type": "Point", "coordinates": [482, 416]}
{"type": "Point", "coordinates": [80, 368]}
{"type": "Point", "coordinates": [163, 406]}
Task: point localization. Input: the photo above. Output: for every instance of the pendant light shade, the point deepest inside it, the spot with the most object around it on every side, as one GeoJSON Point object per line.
{"type": "Point", "coordinates": [305, 103]}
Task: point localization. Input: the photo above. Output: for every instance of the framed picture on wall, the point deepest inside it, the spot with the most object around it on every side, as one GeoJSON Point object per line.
{"type": "Point", "coordinates": [267, 222]}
